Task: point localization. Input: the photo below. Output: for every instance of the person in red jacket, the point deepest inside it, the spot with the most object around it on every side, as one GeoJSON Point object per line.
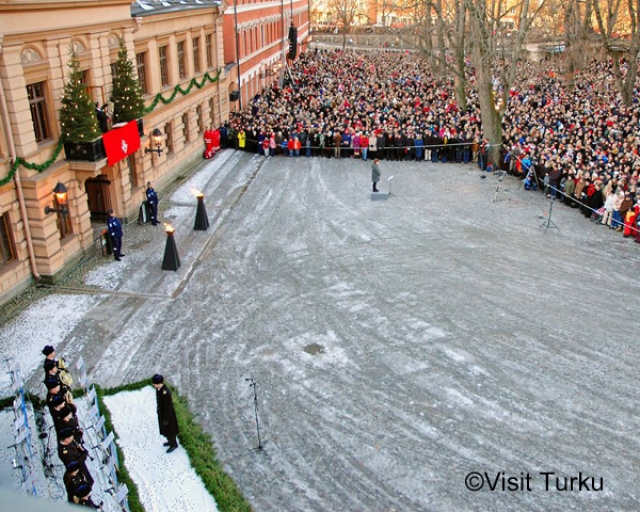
{"type": "Point", "coordinates": [208, 144]}
{"type": "Point", "coordinates": [215, 138]}
{"type": "Point", "coordinates": [630, 219]}
{"type": "Point", "coordinates": [364, 145]}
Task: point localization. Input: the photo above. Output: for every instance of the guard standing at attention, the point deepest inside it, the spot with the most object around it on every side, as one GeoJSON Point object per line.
{"type": "Point", "coordinates": [115, 230]}
{"type": "Point", "coordinates": [167, 420]}
{"type": "Point", "coordinates": [152, 202]}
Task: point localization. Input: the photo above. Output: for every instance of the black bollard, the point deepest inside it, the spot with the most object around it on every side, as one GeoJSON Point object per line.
{"type": "Point", "coordinates": [171, 260]}
{"type": "Point", "coordinates": [202, 221]}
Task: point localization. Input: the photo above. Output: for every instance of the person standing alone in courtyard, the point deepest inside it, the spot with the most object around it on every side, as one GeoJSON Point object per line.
{"type": "Point", "coordinates": [167, 420]}
{"type": "Point", "coordinates": [375, 174]}
{"type": "Point", "coordinates": [152, 201]}
{"type": "Point", "coordinates": [115, 230]}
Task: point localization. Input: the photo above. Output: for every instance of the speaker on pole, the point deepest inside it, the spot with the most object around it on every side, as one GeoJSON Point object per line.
{"type": "Point", "coordinates": [293, 43]}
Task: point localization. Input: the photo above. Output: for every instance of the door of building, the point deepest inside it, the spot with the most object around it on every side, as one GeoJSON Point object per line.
{"type": "Point", "coordinates": [99, 198]}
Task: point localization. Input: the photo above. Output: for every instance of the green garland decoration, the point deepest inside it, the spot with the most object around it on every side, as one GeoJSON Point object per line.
{"type": "Point", "coordinates": [34, 167]}
{"type": "Point", "coordinates": [44, 166]}
{"type": "Point", "coordinates": [159, 98]}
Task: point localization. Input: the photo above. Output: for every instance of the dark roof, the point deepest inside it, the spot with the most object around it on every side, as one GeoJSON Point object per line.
{"type": "Point", "coordinates": [149, 7]}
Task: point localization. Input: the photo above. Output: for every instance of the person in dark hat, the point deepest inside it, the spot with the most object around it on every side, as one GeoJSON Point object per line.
{"type": "Point", "coordinates": [56, 387]}
{"type": "Point", "coordinates": [167, 420]}
{"type": "Point", "coordinates": [55, 367]}
{"type": "Point", "coordinates": [115, 230]}
{"type": "Point", "coordinates": [65, 417]}
{"type": "Point", "coordinates": [56, 403]}
{"type": "Point", "coordinates": [69, 450]}
{"type": "Point", "coordinates": [49, 352]}
{"type": "Point", "coordinates": [152, 202]}
{"type": "Point", "coordinates": [82, 497]}
{"type": "Point", "coordinates": [73, 479]}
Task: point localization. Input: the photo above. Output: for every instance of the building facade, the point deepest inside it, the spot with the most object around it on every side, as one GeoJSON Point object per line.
{"type": "Point", "coordinates": [256, 40]}
{"type": "Point", "coordinates": [178, 51]}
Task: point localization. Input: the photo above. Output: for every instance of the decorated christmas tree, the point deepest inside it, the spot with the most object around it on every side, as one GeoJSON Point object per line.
{"type": "Point", "coordinates": [127, 94]}
{"type": "Point", "coordinates": [78, 120]}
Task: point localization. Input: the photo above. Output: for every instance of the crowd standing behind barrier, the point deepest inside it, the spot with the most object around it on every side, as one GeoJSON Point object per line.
{"type": "Point", "coordinates": [579, 144]}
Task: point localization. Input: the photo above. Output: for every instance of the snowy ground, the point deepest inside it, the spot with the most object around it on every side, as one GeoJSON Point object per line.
{"type": "Point", "coordinates": [45, 323]}
{"type": "Point", "coordinates": [398, 345]}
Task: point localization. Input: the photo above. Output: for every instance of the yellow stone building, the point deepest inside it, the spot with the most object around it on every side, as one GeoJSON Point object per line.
{"type": "Point", "coordinates": [170, 43]}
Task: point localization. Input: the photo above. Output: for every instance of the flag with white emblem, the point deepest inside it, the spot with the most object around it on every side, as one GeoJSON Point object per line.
{"type": "Point", "coordinates": [119, 143]}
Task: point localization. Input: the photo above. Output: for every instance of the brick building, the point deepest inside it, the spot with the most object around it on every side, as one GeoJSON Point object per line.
{"type": "Point", "coordinates": [171, 44]}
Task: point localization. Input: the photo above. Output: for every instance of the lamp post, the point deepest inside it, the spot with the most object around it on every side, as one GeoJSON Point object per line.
{"type": "Point", "coordinates": [60, 194]}
{"type": "Point", "coordinates": [171, 260]}
{"type": "Point", "coordinates": [156, 140]}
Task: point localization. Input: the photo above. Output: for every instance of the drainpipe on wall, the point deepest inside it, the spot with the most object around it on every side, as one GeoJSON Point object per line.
{"type": "Point", "coordinates": [12, 150]}
{"type": "Point", "coordinates": [138, 22]}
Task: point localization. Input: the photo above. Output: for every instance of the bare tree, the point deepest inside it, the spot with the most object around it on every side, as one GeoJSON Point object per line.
{"type": "Point", "coordinates": [496, 48]}
{"type": "Point", "coordinates": [611, 17]}
{"type": "Point", "coordinates": [347, 12]}
{"type": "Point", "coordinates": [577, 28]}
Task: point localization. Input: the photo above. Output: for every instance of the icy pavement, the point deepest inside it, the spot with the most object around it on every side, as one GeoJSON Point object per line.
{"type": "Point", "coordinates": [166, 482]}
{"type": "Point", "coordinates": [398, 345]}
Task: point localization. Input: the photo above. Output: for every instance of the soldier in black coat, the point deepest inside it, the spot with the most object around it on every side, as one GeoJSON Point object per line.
{"type": "Point", "coordinates": [152, 202]}
{"type": "Point", "coordinates": [167, 420]}
{"type": "Point", "coordinates": [69, 450]}
{"type": "Point", "coordinates": [115, 230]}
{"type": "Point", "coordinates": [73, 479]}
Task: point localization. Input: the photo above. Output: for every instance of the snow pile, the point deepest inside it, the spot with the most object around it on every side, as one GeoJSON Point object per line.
{"type": "Point", "coordinates": [166, 482]}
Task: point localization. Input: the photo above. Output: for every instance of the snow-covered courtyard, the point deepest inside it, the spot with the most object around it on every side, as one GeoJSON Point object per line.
{"type": "Point", "coordinates": [398, 346]}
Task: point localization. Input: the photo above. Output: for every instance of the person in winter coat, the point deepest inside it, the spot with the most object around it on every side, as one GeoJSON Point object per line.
{"type": "Point", "coordinates": [167, 420]}
{"type": "Point", "coordinates": [630, 219]}
{"type": "Point", "coordinates": [373, 144]}
{"type": "Point", "coordinates": [242, 139]}
{"type": "Point", "coordinates": [569, 189]}
{"type": "Point", "coordinates": [152, 203]}
{"type": "Point", "coordinates": [364, 146]}
{"type": "Point", "coordinates": [272, 144]}
{"type": "Point", "coordinates": [375, 174]}
{"type": "Point", "coordinates": [115, 231]}
{"type": "Point", "coordinates": [607, 216]}
{"type": "Point", "coordinates": [616, 222]}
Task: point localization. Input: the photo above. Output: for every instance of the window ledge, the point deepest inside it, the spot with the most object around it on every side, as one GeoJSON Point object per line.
{"type": "Point", "coordinates": [46, 144]}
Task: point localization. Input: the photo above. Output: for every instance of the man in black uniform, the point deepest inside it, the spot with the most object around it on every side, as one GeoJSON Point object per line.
{"type": "Point", "coordinates": [166, 415]}
{"type": "Point", "coordinates": [70, 450]}
{"type": "Point", "coordinates": [115, 230]}
{"type": "Point", "coordinates": [152, 202]}
{"type": "Point", "coordinates": [73, 479]}
{"type": "Point", "coordinates": [65, 417]}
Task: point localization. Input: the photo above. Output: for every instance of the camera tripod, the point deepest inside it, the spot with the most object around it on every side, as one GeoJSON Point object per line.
{"type": "Point", "coordinates": [501, 175]}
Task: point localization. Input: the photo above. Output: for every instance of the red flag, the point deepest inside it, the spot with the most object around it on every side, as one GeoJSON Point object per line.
{"type": "Point", "coordinates": [121, 142]}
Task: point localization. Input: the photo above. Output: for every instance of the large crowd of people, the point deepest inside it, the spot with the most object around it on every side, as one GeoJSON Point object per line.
{"type": "Point", "coordinates": [577, 143]}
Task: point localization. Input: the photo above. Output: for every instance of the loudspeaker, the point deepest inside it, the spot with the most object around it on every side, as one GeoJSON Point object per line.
{"type": "Point", "coordinates": [293, 43]}
{"type": "Point", "coordinates": [234, 96]}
